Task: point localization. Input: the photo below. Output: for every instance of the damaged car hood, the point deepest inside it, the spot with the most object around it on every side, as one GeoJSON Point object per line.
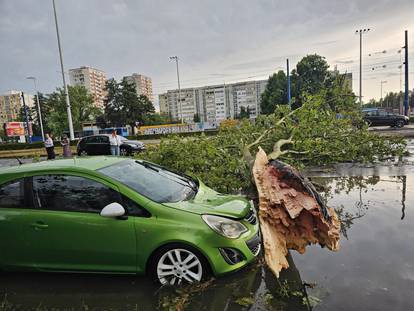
{"type": "Point", "coordinates": [208, 201]}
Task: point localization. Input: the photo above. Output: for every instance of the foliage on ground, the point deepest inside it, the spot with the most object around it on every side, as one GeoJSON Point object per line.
{"type": "Point", "coordinates": [318, 133]}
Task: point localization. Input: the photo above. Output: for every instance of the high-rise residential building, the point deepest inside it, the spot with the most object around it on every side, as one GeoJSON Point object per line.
{"type": "Point", "coordinates": [214, 103]}
{"type": "Point", "coordinates": [187, 109]}
{"type": "Point", "coordinates": [11, 104]}
{"type": "Point", "coordinates": [143, 85]}
{"type": "Point", "coordinates": [93, 80]}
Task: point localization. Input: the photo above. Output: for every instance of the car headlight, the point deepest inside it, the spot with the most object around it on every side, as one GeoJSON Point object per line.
{"type": "Point", "coordinates": [226, 227]}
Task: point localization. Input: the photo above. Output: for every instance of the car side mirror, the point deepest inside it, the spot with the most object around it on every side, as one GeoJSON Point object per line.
{"type": "Point", "coordinates": [113, 210]}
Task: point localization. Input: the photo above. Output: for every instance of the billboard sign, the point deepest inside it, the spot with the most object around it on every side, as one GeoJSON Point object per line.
{"type": "Point", "coordinates": [14, 129]}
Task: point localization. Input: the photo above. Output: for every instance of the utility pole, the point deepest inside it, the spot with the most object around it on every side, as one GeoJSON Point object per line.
{"type": "Point", "coordinates": [65, 87]}
{"type": "Point", "coordinates": [288, 80]}
{"type": "Point", "coordinates": [179, 88]}
{"type": "Point", "coordinates": [406, 74]}
{"type": "Point", "coordinates": [39, 111]}
{"type": "Point", "coordinates": [360, 32]}
{"type": "Point", "coordinates": [26, 117]}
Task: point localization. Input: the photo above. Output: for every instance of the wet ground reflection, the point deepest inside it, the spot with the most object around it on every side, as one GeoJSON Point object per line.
{"type": "Point", "coordinates": [374, 269]}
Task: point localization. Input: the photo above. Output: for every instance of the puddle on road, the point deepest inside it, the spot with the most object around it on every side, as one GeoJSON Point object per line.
{"type": "Point", "coordinates": [374, 269]}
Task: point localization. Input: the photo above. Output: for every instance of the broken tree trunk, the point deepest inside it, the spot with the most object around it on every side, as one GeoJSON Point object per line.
{"type": "Point", "coordinates": [292, 214]}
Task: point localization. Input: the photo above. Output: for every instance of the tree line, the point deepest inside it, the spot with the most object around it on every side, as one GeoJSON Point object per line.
{"type": "Point", "coordinates": [122, 106]}
{"type": "Point", "coordinates": [311, 76]}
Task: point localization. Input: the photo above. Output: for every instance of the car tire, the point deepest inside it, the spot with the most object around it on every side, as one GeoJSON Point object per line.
{"type": "Point", "coordinates": [178, 264]}
{"type": "Point", "coordinates": [399, 123]}
{"type": "Point", "coordinates": [82, 153]}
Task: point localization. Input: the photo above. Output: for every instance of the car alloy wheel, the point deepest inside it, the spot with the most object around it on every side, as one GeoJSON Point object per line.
{"type": "Point", "coordinates": [399, 123]}
{"type": "Point", "coordinates": [83, 153]}
{"type": "Point", "coordinates": [179, 265]}
{"type": "Point", "coordinates": [124, 152]}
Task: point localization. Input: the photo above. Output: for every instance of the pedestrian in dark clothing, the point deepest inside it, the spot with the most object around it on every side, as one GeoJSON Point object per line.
{"type": "Point", "coordinates": [50, 149]}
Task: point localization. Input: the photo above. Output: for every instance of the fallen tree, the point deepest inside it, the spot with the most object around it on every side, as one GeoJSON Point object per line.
{"type": "Point", "coordinates": [292, 214]}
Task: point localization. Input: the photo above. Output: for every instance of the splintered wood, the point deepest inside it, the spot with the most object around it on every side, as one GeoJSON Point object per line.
{"type": "Point", "coordinates": [292, 215]}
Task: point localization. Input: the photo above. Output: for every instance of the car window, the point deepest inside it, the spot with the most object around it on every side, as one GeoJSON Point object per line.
{"type": "Point", "coordinates": [71, 193]}
{"type": "Point", "coordinates": [102, 139]}
{"type": "Point", "coordinates": [12, 194]}
{"type": "Point", "coordinates": [383, 113]}
{"type": "Point", "coordinates": [152, 181]}
{"type": "Point", "coordinates": [132, 208]}
{"type": "Point", "coordinates": [92, 140]}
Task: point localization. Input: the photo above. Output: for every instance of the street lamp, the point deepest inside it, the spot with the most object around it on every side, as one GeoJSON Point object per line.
{"type": "Point", "coordinates": [38, 106]}
{"type": "Point", "coordinates": [179, 88]}
{"type": "Point", "coordinates": [65, 87]}
{"type": "Point", "coordinates": [360, 32]}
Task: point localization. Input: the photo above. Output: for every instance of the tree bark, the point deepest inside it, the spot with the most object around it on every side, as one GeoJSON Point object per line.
{"type": "Point", "coordinates": [292, 215]}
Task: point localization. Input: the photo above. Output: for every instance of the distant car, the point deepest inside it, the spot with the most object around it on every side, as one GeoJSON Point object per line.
{"type": "Point", "coordinates": [99, 145]}
{"type": "Point", "coordinates": [377, 117]}
{"type": "Point", "coordinates": [119, 215]}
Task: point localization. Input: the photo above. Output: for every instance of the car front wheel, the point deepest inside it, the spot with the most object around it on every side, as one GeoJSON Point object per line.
{"type": "Point", "coordinates": [82, 153]}
{"type": "Point", "coordinates": [178, 265]}
{"type": "Point", "coordinates": [399, 123]}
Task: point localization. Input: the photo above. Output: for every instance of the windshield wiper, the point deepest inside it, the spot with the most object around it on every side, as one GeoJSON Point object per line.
{"type": "Point", "coordinates": [147, 165]}
{"type": "Point", "coordinates": [189, 182]}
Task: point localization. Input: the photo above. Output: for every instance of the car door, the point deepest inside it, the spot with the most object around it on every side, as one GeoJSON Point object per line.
{"type": "Point", "coordinates": [383, 118]}
{"type": "Point", "coordinates": [92, 145]}
{"type": "Point", "coordinates": [103, 145]}
{"type": "Point", "coordinates": [66, 232]}
{"type": "Point", "coordinates": [13, 207]}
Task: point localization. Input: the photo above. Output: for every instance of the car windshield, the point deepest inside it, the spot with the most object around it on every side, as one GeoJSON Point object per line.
{"type": "Point", "coordinates": [121, 138]}
{"type": "Point", "coordinates": [152, 181]}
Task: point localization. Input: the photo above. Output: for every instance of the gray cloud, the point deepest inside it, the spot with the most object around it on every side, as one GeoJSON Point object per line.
{"type": "Point", "coordinates": [215, 39]}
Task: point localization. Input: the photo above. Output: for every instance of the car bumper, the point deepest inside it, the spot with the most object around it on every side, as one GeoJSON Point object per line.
{"type": "Point", "coordinates": [248, 246]}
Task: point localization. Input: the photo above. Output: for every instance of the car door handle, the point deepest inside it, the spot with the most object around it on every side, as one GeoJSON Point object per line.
{"type": "Point", "coordinates": [39, 225]}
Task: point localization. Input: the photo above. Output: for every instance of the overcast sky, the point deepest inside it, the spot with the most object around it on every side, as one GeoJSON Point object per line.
{"type": "Point", "coordinates": [217, 41]}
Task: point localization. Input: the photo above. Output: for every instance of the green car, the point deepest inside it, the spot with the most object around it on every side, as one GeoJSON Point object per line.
{"type": "Point", "coordinates": [120, 215]}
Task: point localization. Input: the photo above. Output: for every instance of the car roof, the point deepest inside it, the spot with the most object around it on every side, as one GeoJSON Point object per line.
{"type": "Point", "coordinates": [74, 164]}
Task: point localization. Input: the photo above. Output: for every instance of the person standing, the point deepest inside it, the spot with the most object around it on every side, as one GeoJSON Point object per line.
{"type": "Point", "coordinates": [115, 143]}
{"type": "Point", "coordinates": [50, 149]}
{"type": "Point", "coordinates": [66, 146]}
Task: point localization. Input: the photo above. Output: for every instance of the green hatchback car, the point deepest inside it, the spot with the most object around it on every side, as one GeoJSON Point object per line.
{"type": "Point", "coordinates": [120, 215]}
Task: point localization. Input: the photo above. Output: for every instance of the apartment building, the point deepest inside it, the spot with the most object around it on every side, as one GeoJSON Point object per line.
{"type": "Point", "coordinates": [143, 85]}
{"type": "Point", "coordinates": [214, 103]}
{"type": "Point", "coordinates": [187, 109]}
{"type": "Point", "coordinates": [11, 103]}
{"type": "Point", "coordinates": [93, 80]}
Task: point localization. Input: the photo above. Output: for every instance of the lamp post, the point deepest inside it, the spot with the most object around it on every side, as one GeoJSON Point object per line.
{"type": "Point", "coordinates": [38, 107]}
{"type": "Point", "coordinates": [179, 88]}
{"type": "Point", "coordinates": [65, 87]}
{"type": "Point", "coordinates": [361, 32]}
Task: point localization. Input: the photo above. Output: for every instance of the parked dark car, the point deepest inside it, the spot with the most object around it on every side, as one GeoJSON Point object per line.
{"type": "Point", "coordinates": [99, 145]}
{"type": "Point", "coordinates": [377, 117]}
